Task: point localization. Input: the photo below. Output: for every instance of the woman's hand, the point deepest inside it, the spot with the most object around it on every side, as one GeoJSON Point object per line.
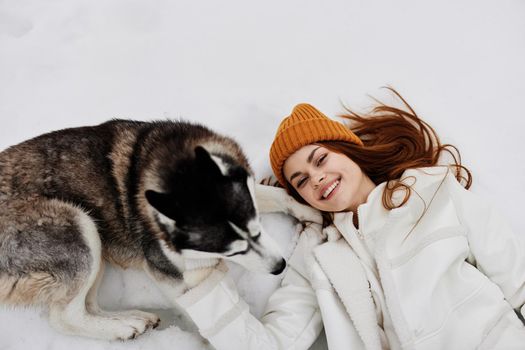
{"type": "Point", "coordinates": [197, 270]}
{"type": "Point", "coordinates": [272, 198]}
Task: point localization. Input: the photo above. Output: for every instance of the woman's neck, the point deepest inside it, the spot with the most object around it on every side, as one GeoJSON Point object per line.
{"type": "Point", "coordinates": [366, 187]}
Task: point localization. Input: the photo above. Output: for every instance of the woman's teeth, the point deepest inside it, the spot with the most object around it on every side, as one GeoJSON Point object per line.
{"type": "Point", "coordinates": [330, 189]}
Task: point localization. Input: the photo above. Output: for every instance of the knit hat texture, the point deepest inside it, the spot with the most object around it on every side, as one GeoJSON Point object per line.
{"type": "Point", "coordinates": [304, 126]}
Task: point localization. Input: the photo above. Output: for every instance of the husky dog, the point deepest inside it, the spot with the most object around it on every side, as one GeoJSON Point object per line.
{"type": "Point", "coordinates": [147, 195]}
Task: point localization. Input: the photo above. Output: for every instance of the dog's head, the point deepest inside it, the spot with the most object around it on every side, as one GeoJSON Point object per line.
{"type": "Point", "coordinates": [209, 211]}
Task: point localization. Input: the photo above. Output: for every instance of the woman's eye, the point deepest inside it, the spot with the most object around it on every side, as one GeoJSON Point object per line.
{"type": "Point", "coordinates": [321, 159]}
{"type": "Point", "coordinates": [301, 182]}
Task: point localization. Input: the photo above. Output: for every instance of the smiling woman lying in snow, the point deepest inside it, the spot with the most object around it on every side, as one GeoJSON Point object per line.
{"type": "Point", "coordinates": [409, 258]}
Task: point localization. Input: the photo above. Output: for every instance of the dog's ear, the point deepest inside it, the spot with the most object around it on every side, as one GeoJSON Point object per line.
{"type": "Point", "coordinates": [163, 202]}
{"type": "Point", "coordinates": [212, 165]}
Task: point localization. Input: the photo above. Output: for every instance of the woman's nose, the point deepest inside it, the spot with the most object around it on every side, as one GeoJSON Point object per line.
{"type": "Point", "coordinates": [318, 180]}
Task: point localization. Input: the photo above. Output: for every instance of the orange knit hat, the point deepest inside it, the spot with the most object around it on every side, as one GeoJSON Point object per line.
{"type": "Point", "coordinates": [304, 126]}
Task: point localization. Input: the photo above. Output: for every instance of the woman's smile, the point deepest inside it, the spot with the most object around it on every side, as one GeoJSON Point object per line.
{"type": "Point", "coordinates": [329, 190]}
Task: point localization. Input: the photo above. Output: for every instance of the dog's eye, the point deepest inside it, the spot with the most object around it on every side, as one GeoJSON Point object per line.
{"type": "Point", "coordinates": [239, 252]}
{"type": "Point", "coordinates": [238, 247]}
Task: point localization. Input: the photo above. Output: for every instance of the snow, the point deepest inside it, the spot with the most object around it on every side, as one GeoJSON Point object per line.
{"type": "Point", "coordinates": [239, 67]}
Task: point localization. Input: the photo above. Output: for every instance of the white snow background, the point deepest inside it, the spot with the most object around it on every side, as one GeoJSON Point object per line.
{"type": "Point", "coordinates": [239, 67]}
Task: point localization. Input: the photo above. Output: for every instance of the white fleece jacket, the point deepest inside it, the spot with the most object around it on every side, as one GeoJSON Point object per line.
{"type": "Point", "coordinates": [450, 270]}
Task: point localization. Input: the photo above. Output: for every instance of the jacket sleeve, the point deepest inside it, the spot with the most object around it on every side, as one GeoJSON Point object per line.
{"type": "Point", "coordinates": [498, 252]}
{"type": "Point", "coordinates": [291, 320]}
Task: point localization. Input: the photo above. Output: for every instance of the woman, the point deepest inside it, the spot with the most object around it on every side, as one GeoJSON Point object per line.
{"type": "Point", "coordinates": [410, 259]}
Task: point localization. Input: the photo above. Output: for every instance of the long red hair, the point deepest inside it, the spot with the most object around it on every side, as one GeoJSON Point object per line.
{"type": "Point", "coordinates": [395, 139]}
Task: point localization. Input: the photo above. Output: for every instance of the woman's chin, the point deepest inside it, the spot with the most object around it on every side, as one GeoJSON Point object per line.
{"type": "Point", "coordinates": [334, 207]}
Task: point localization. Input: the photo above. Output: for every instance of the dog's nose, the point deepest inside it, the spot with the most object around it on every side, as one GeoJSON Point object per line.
{"type": "Point", "coordinates": [279, 267]}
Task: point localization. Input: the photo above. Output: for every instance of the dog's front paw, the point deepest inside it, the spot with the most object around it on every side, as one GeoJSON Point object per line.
{"type": "Point", "coordinates": [150, 320]}
{"type": "Point", "coordinates": [137, 324]}
{"type": "Point", "coordinates": [127, 333]}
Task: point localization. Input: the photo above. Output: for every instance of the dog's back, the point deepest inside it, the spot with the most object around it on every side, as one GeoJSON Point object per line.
{"type": "Point", "coordinates": [98, 169]}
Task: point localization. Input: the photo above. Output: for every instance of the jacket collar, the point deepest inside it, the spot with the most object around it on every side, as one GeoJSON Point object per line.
{"type": "Point", "coordinates": [423, 183]}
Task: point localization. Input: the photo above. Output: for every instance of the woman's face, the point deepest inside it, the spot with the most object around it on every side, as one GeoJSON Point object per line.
{"type": "Point", "coordinates": [327, 180]}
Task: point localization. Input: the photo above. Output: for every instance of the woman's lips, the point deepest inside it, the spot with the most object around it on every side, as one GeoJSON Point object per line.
{"type": "Point", "coordinates": [330, 189]}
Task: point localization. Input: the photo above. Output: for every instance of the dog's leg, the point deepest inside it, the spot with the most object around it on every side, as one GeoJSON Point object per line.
{"type": "Point", "coordinates": [275, 199]}
{"type": "Point", "coordinates": [73, 317]}
{"type": "Point", "coordinates": [50, 254]}
{"type": "Point", "coordinates": [92, 306]}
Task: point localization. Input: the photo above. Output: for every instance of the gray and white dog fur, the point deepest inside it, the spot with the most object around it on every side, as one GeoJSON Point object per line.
{"type": "Point", "coordinates": [158, 196]}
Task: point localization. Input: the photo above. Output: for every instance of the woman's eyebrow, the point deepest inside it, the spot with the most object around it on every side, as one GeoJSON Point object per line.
{"type": "Point", "coordinates": [309, 160]}
{"type": "Point", "coordinates": [311, 156]}
{"type": "Point", "coordinates": [294, 175]}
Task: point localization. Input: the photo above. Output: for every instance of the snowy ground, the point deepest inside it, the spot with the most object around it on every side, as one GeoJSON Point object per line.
{"type": "Point", "coordinates": [239, 67]}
